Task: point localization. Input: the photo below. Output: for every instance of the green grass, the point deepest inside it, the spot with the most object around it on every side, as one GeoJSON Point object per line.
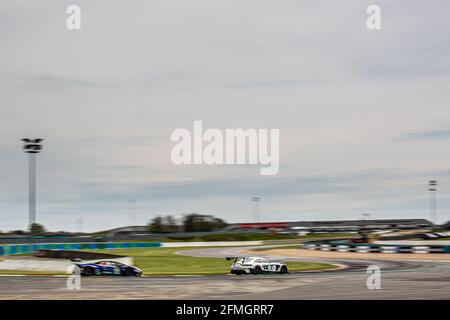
{"type": "Point", "coordinates": [28, 272]}
{"type": "Point", "coordinates": [164, 261]}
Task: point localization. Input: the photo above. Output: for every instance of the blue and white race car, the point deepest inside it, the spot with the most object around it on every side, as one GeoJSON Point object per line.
{"type": "Point", "coordinates": [108, 267]}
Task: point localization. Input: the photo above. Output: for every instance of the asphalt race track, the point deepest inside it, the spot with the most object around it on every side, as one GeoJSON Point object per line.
{"type": "Point", "coordinates": [399, 280]}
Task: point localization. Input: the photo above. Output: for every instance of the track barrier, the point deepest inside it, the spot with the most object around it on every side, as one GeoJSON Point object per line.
{"type": "Point", "coordinates": [369, 247]}
{"type": "Point", "coordinates": [13, 249]}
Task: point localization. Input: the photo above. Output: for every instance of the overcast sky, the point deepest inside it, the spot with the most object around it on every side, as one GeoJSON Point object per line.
{"type": "Point", "coordinates": [364, 116]}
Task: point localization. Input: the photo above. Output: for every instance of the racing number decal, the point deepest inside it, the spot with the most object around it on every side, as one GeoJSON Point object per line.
{"type": "Point", "coordinates": [269, 267]}
{"type": "Point", "coordinates": [273, 267]}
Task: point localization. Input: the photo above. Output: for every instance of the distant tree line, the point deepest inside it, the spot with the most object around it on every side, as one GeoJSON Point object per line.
{"type": "Point", "coordinates": [192, 222]}
{"type": "Point", "coordinates": [34, 228]}
{"type": "Point", "coordinates": [37, 228]}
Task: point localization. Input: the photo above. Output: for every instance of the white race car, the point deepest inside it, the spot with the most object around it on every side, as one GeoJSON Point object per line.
{"type": "Point", "coordinates": [256, 265]}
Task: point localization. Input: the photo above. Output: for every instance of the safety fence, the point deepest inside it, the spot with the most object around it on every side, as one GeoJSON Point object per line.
{"type": "Point", "coordinates": [366, 248]}
{"type": "Point", "coordinates": [12, 249]}
{"type": "Point", "coordinates": [6, 250]}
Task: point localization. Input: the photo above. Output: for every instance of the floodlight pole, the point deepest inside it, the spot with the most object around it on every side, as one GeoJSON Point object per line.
{"type": "Point", "coordinates": [32, 147]}
{"type": "Point", "coordinates": [256, 209]}
{"type": "Point", "coordinates": [132, 211]}
{"type": "Point", "coordinates": [432, 200]}
{"type": "Point", "coordinates": [31, 189]}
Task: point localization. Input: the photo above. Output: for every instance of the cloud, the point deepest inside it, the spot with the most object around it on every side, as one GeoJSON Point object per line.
{"type": "Point", "coordinates": [107, 98]}
{"type": "Point", "coordinates": [429, 135]}
{"type": "Point", "coordinates": [67, 82]}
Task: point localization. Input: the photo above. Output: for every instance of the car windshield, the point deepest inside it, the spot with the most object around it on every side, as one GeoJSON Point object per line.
{"type": "Point", "coordinates": [244, 260]}
{"type": "Point", "coordinates": [109, 263]}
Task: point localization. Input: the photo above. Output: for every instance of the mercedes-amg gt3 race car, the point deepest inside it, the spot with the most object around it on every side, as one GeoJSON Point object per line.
{"type": "Point", "coordinates": [256, 265]}
{"type": "Point", "coordinates": [108, 267]}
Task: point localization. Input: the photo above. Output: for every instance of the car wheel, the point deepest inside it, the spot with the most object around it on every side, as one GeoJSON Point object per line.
{"type": "Point", "coordinates": [89, 272]}
{"type": "Point", "coordinates": [283, 270]}
{"type": "Point", "coordinates": [257, 270]}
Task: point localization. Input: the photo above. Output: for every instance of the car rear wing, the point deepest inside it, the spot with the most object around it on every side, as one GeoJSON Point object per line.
{"type": "Point", "coordinates": [276, 260]}
{"type": "Point", "coordinates": [233, 258]}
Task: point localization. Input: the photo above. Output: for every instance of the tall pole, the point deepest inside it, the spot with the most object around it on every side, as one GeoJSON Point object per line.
{"type": "Point", "coordinates": [32, 147]}
{"type": "Point", "coordinates": [80, 223]}
{"type": "Point", "coordinates": [31, 189]}
{"type": "Point", "coordinates": [132, 212]}
{"type": "Point", "coordinates": [432, 200]}
{"type": "Point", "coordinates": [256, 209]}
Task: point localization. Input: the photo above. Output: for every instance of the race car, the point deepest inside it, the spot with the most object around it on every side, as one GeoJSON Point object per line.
{"type": "Point", "coordinates": [108, 267]}
{"type": "Point", "coordinates": [256, 265]}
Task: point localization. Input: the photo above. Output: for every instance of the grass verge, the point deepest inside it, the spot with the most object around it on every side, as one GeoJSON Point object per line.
{"type": "Point", "coordinates": [165, 261]}
{"type": "Point", "coordinates": [29, 272]}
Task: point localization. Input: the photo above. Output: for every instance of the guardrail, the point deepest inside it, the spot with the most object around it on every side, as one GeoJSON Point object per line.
{"type": "Point", "coordinates": [6, 250]}
{"type": "Point", "coordinates": [13, 249]}
{"type": "Point", "coordinates": [369, 247]}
